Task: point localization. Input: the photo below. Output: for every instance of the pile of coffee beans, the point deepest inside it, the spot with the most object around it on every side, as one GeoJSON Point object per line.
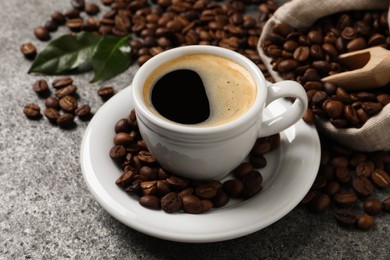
{"type": "Point", "coordinates": [307, 55]}
{"type": "Point", "coordinates": [164, 24]}
{"type": "Point", "coordinates": [62, 106]}
{"type": "Point", "coordinates": [157, 188]}
{"type": "Point", "coordinates": [349, 181]}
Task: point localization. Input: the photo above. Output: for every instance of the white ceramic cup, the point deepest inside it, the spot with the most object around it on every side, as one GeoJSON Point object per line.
{"type": "Point", "coordinates": [211, 152]}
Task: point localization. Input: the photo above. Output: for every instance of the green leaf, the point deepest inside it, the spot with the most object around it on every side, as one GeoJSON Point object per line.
{"type": "Point", "coordinates": [66, 53]}
{"type": "Point", "coordinates": [112, 57]}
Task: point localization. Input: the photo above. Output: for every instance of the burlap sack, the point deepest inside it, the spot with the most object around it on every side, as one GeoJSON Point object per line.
{"type": "Point", "coordinates": [375, 134]}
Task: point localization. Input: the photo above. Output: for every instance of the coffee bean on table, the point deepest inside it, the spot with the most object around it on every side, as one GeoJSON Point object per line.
{"type": "Point", "coordinates": [365, 222]}
{"type": "Point", "coordinates": [66, 120]}
{"type": "Point", "coordinates": [68, 90]}
{"type": "Point", "coordinates": [41, 87]}
{"type": "Point", "coordinates": [106, 92]}
{"type": "Point", "coordinates": [68, 103]}
{"type": "Point", "coordinates": [345, 217]}
{"type": "Point", "coordinates": [32, 111]}
{"type": "Point", "coordinates": [380, 178]}
{"type": "Point", "coordinates": [372, 206]}
{"type": "Point", "coordinates": [41, 33]}
{"type": "Point", "coordinates": [83, 111]}
{"type": "Point", "coordinates": [52, 102]}
{"type": "Point", "coordinates": [363, 186]}
{"type": "Point", "coordinates": [62, 82]}
{"type": "Point", "coordinates": [28, 50]}
{"type": "Point", "coordinates": [58, 17]}
{"type": "Point", "coordinates": [52, 114]}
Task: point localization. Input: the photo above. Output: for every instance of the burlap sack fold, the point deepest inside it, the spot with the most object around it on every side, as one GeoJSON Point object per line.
{"type": "Point", "coordinates": [375, 133]}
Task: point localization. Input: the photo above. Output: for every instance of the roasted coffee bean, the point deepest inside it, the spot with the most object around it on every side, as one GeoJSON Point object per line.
{"type": "Point", "coordinates": [372, 206]}
{"type": "Point", "coordinates": [146, 157]}
{"type": "Point", "coordinates": [58, 18]}
{"type": "Point", "coordinates": [122, 125]}
{"type": "Point", "coordinates": [386, 204]}
{"type": "Point", "coordinates": [192, 204]}
{"type": "Point", "coordinates": [126, 179]}
{"type": "Point", "coordinates": [117, 153]}
{"type": "Point", "coordinates": [41, 87]}
{"type": "Point", "coordinates": [171, 202]}
{"type": "Point", "coordinates": [206, 191]}
{"type": "Point", "coordinates": [62, 82]}
{"type": "Point", "coordinates": [320, 203]}
{"type": "Point", "coordinates": [123, 139]}
{"type": "Point", "coordinates": [206, 205]}
{"type": "Point", "coordinates": [162, 187]}
{"type": "Point", "coordinates": [52, 114]}
{"type": "Point", "coordinates": [147, 173]}
{"type": "Point", "coordinates": [177, 183]}
{"type": "Point", "coordinates": [32, 111]}
{"type": "Point", "coordinates": [91, 9]}
{"type": "Point", "coordinates": [66, 120]}
{"type": "Point", "coordinates": [150, 201]}
{"type": "Point", "coordinates": [345, 217]}
{"type": "Point", "coordinates": [242, 169]}
{"type": "Point", "coordinates": [28, 50]}
{"type": "Point", "coordinates": [343, 175]}
{"type": "Point", "coordinates": [345, 198]}
{"type": "Point", "coordinates": [365, 222]}
{"type": "Point", "coordinates": [51, 26]}
{"type": "Point", "coordinates": [252, 184]}
{"type": "Point", "coordinates": [332, 187]}
{"type": "Point", "coordinates": [68, 90]}
{"type": "Point", "coordinates": [106, 92]}
{"type": "Point", "coordinates": [363, 186]}
{"type": "Point", "coordinates": [334, 108]}
{"type": "Point", "coordinates": [258, 161]}
{"type": "Point", "coordinates": [83, 111]}
{"type": "Point", "coordinates": [234, 188]}
{"type": "Point", "coordinates": [75, 24]}
{"type": "Point", "coordinates": [380, 178]}
{"type": "Point", "coordinates": [68, 103]}
{"type": "Point", "coordinates": [52, 102]}
{"type": "Point", "coordinates": [287, 65]}
{"type": "Point", "coordinates": [221, 199]}
{"type": "Point", "coordinates": [149, 187]}
{"type": "Point", "coordinates": [41, 33]}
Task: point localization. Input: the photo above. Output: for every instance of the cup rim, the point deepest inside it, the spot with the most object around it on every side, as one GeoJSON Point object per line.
{"type": "Point", "coordinates": [153, 63]}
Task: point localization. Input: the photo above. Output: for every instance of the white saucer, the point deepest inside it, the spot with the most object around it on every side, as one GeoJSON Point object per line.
{"type": "Point", "coordinates": [288, 176]}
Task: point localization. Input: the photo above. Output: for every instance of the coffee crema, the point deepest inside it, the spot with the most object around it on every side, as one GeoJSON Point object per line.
{"type": "Point", "coordinates": [200, 90]}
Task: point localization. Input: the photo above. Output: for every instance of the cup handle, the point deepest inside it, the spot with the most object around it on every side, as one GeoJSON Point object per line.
{"type": "Point", "coordinates": [293, 113]}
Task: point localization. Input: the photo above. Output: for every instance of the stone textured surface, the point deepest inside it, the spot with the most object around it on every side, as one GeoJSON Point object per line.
{"type": "Point", "coordinates": [46, 211]}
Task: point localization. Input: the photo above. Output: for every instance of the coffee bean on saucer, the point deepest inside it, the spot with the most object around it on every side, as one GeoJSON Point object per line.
{"type": "Point", "coordinates": [171, 202]}
{"type": "Point", "coordinates": [150, 201]}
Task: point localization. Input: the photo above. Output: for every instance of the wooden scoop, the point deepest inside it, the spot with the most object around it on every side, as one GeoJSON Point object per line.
{"type": "Point", "coordinates": [368, 68]}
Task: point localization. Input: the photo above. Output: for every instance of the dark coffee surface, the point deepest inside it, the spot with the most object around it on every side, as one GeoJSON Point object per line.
{"type": "Point", "coordinates": [180, 96]}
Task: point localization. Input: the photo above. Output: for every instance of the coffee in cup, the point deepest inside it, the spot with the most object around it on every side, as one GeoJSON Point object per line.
{"type": "Point", "coordinates": [228, 99]}
{"type": "Point", "coordinates": [200, 89]}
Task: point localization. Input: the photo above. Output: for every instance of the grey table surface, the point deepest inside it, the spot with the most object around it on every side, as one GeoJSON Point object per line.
{"type": "Point", "coordinates": [47, 212]}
